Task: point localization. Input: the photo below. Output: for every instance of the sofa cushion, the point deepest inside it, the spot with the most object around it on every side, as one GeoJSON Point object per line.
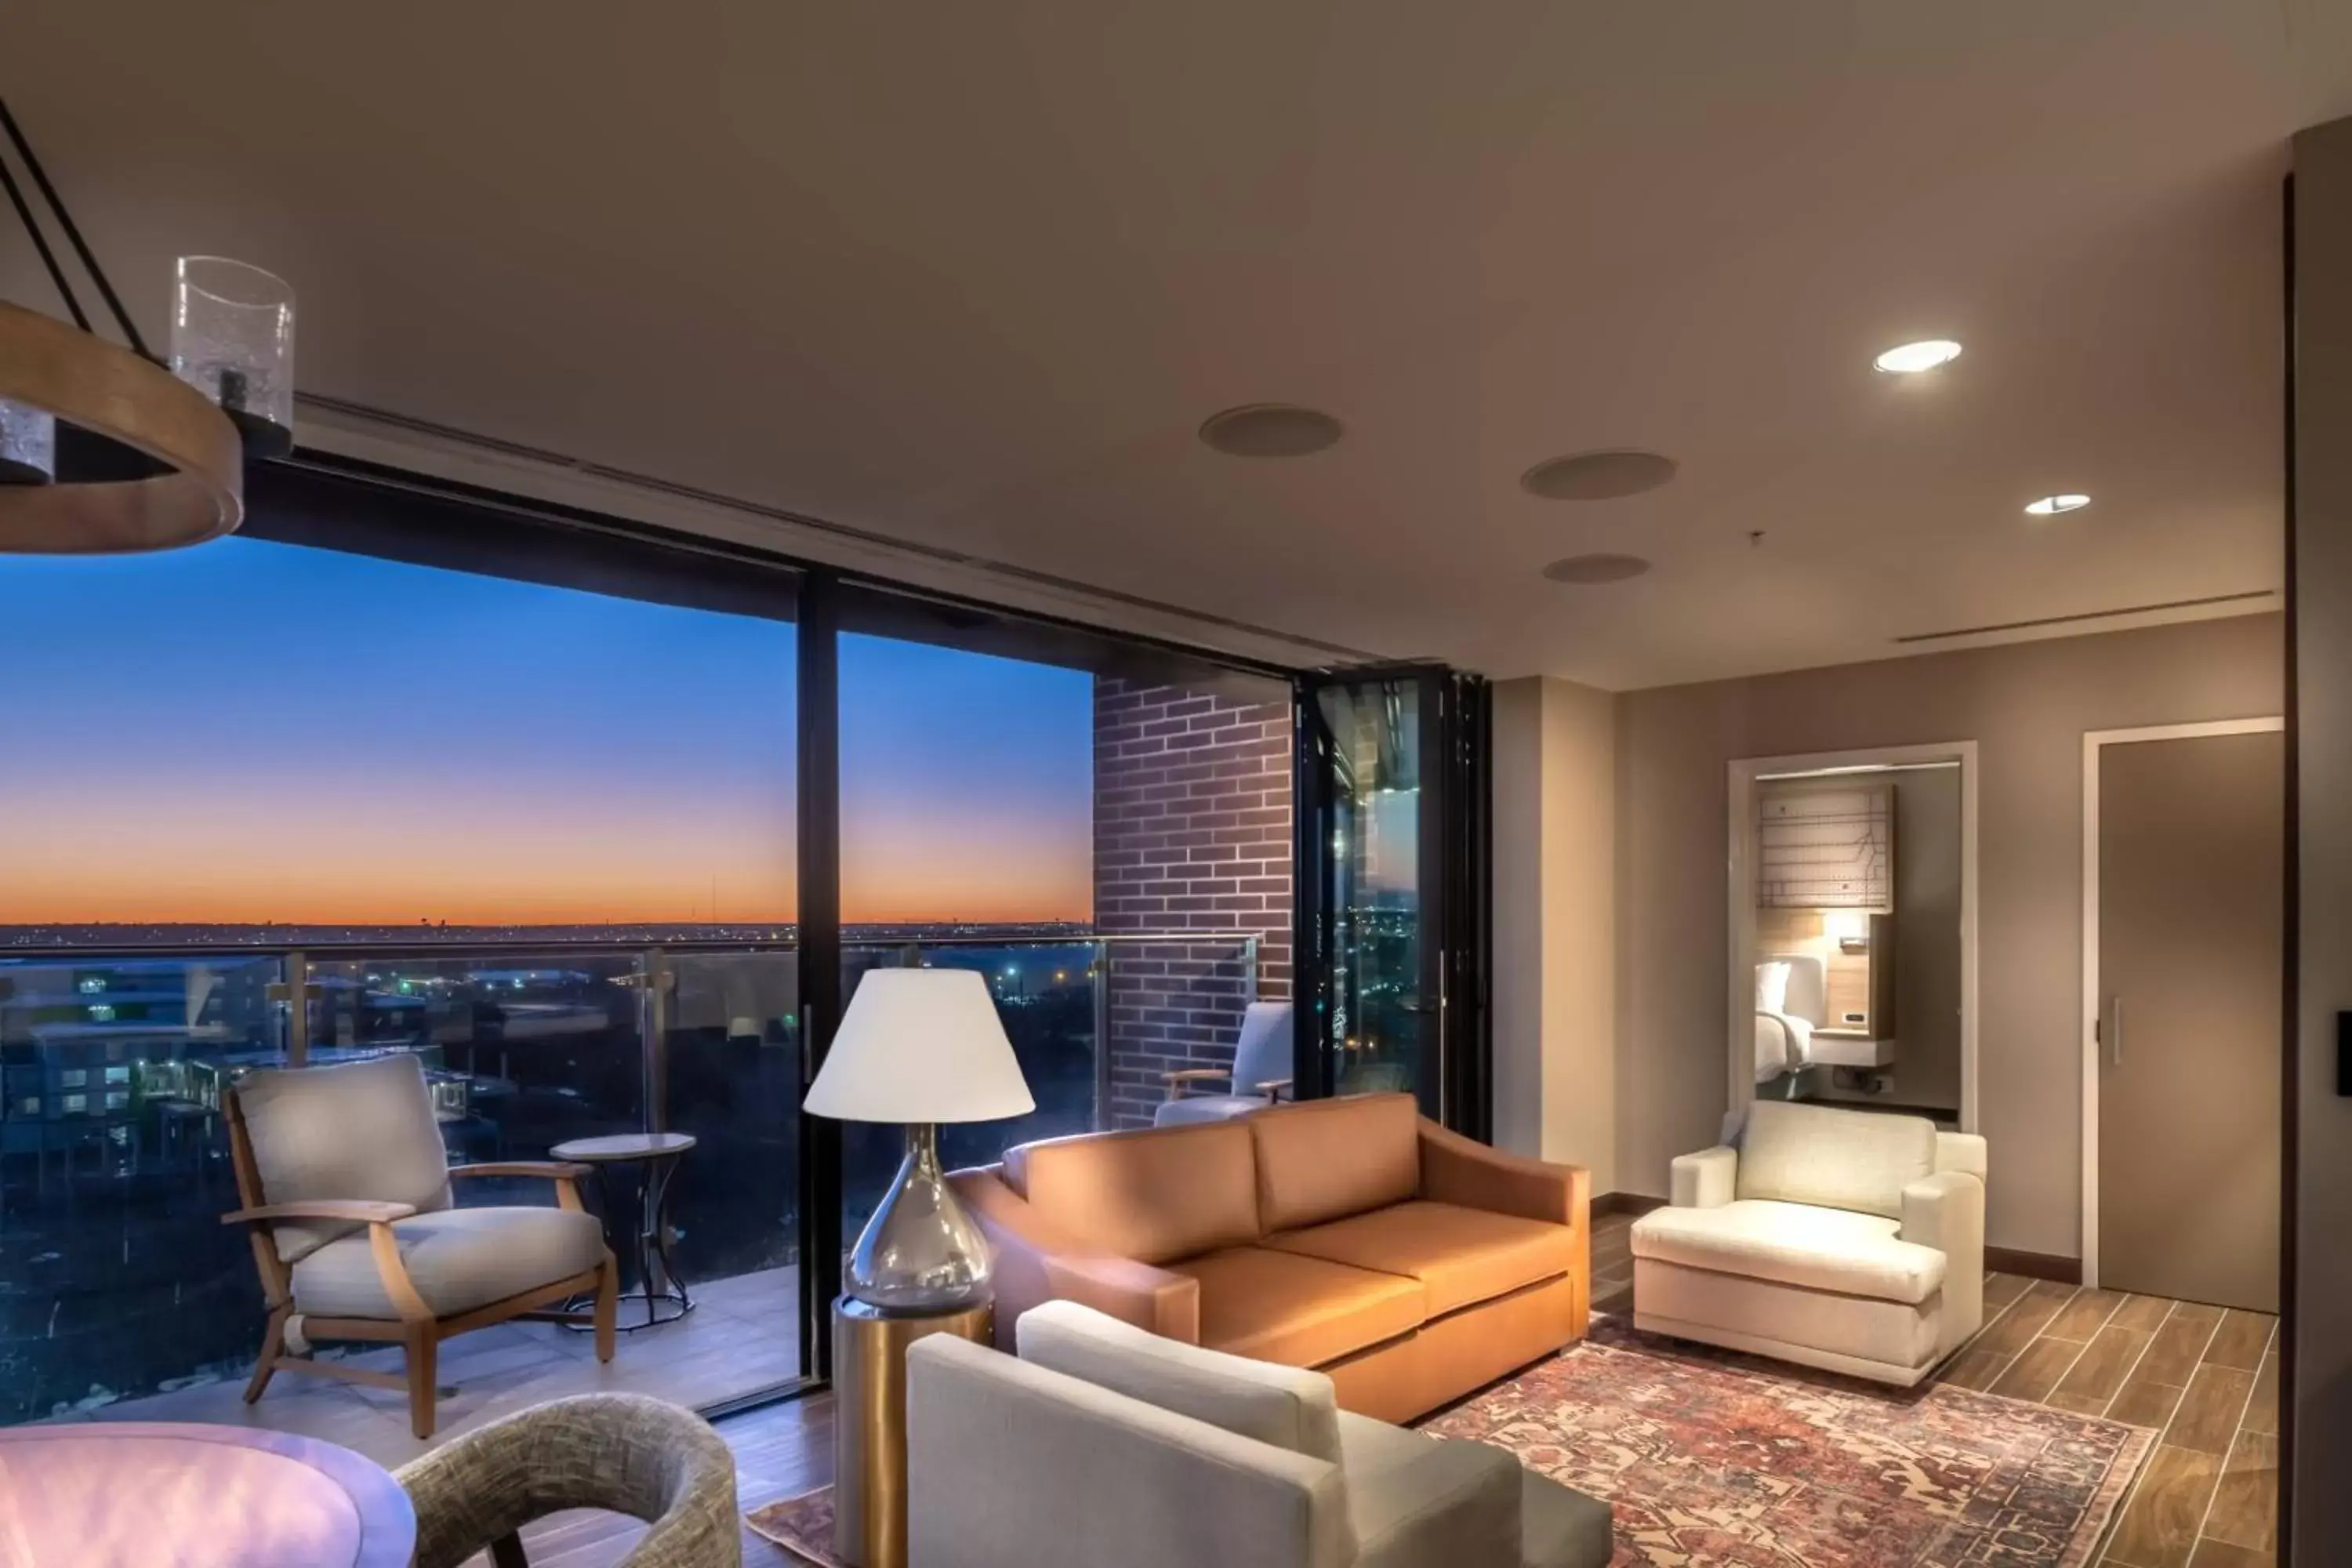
{"type": "Point", "coordinates": [1326, 1158]}
{"type": "Point", "coordinates": [1288, 1406]}
{"type": "Point", "coordinates": [457, 1259]}
{"type": "Point", "coordinates": [1300, 1312]}
{"type": "Point", "coordinates": [1153, 1196]}
{"type": "Point", "coordinates": [360, 1130]}
{"type": "Point", "coordinates": [1461, 1256]}
{"type": "Point", "coordinates": [1859, 1160]}
{"type": "Point", "coordinates": [1794, 1243]}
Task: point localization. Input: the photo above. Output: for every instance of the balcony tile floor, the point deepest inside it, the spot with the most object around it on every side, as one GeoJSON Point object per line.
{"type": "Point", "coordinates": [742, 1335]}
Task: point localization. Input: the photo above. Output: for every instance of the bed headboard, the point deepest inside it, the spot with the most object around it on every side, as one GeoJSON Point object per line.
{"type": "Point", "coordinates": [1809, 985]}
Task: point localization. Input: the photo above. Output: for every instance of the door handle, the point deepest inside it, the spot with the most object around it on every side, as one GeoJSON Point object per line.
{"type": "Point", "coordinates": [2115, 1036]}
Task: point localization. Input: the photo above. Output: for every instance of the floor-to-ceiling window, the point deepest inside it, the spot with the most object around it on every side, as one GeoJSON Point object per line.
{"type": "Point", "coordinates": [520, 804]}
{"type": "Point", "coordinates": [602, 827]}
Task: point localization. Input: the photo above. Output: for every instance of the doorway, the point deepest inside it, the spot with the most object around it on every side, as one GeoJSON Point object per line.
{"type": "Point", "coordinates": [1852, 926]}
{"type": "Point", "coordinates": [2184, 846]}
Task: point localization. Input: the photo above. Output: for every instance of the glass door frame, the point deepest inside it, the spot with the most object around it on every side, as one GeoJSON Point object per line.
{"type": "Point", "coordinates": [1453, 855]}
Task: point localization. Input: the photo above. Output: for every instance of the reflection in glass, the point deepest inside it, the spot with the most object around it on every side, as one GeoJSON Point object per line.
{"type": "Point", "coordinates": [1378, 1024]}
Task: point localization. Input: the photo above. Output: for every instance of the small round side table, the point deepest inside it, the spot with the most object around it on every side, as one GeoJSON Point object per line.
{"type": "Point", "coordinates": [657, 1284]}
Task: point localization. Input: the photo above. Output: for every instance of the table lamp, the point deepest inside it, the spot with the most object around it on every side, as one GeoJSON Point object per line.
{"type": "Point", "coordinates": [920, 1046]}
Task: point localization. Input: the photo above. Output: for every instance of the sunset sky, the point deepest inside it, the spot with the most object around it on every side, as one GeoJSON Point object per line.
{"type": "Point", "coordinates": [249, 732]}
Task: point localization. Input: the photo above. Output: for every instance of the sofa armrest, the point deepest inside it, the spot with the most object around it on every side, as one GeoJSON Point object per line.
{"type": "Point", "coordinates": [1467, 1173]}
{"type": "Point", "coordinates": [1459, 1501]}
{"type": "Point", "coordinates": [1946, 1211]}
{"type": "Point", "coordinates": [1707, 1180]}
{"type": "Point", "coordinates": [1034, 1260]}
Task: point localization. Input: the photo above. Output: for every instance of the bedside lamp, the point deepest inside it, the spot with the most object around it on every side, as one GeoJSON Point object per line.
{"type": "Point", "coordinates": [920, 1046]}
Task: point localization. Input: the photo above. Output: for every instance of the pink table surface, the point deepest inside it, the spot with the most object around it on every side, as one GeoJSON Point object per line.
{"type": "Point", "coordinates": [162, 1495]}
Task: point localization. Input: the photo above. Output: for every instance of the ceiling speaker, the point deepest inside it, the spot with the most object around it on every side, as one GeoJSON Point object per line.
{"type": "Point", "coordinates": [1598, 475]}
{"type": "Point", "coordinates": [1270, 430]}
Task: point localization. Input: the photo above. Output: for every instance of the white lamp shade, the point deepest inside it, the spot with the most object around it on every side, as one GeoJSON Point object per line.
{"type": "Point", "coordinates": [920, 1044]}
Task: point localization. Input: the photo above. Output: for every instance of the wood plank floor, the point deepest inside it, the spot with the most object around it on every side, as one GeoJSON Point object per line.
{"type": "Point", "coordinates": [2205, 1378]}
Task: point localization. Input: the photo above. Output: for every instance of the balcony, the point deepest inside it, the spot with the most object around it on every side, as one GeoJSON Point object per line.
{"type": "Point", "coordinates": [122, 1297]}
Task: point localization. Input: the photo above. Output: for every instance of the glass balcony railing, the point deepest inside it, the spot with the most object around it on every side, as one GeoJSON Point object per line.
{"type": "Point", "coordinates": [118, 1281]}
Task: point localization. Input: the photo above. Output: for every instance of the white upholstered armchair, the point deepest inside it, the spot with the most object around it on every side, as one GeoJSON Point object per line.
{"type": "Point", "coordinates": [1104, 1443]}
{"type": "Point", "coordinates": [1849, 1240]}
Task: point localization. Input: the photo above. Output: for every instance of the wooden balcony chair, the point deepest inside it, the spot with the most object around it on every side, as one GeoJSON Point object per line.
{"type": "Point", "coordinates": [346, 1196]}
{"type": "Point", "coordinates": [1260, 1076]}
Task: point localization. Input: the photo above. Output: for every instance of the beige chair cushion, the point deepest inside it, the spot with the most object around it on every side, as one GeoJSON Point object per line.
{"type": "Point", "coordinates": [1285, 1406]}
{"type": "Point", "coordinates": [1460, 1255]}
{"type": "Point", "coordinates": [1794, 1243]}
{"type": "Point", "coordinates": [1859, 1160]}
{"type": "Point", "coordinates": [1153, 1196]}
{"type": "Point", "coordinates": [1300, 1312]}
{"type": "Point", "coordinates": [458, 1260]}
{"type": "Point", "coordinates": [1326, 1159]}
{"type": "Point", "coordinates": [363, 1131]}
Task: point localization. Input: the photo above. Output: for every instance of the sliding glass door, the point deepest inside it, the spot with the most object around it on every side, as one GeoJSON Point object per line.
{"type": "Point", "coordinates": [1391, 774]}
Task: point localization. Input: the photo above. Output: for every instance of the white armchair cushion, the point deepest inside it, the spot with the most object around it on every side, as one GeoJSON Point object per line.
{"type": "Point", "coordinates": [363, 1131]}
{"type": "Point", "coordinates": [458, 1260]}
{"type": "Point", "coordinates": [1288, 1406]}
{"type": "Point", "coordinates": [1797, 1154]}
{"type": "Point", "coordinates": [1962, 1151]}
{"type": "Point", "coordinates": [1794, 1243]}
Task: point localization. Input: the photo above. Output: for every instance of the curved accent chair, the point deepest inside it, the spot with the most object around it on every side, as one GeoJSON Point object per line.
{"type": "Point", "coordinates": [621, 1452]}
{"type": "Point", "coordinates": [347, 1198]}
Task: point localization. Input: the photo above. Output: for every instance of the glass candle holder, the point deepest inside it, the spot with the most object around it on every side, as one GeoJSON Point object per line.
{"type": "Point", "coordinates": [28, 445]}
{"type": "Point", "coordinates": [233, 340]}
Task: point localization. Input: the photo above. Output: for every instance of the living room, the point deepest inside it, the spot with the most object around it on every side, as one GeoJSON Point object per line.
{"type": "Point", "coordinates": [1284, 787]}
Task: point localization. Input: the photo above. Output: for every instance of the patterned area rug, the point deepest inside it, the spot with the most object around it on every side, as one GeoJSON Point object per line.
{"type": "Point", "coordinates": [1718, 1458]}
{"type": "Point", "coordinates": [802, 1526]}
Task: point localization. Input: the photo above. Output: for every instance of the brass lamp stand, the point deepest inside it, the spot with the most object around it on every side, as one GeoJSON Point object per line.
{"type": "Point", "coordinates": [869, 1422]}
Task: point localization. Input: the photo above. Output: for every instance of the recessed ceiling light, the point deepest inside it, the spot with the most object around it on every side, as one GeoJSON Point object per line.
{"type": "Point", "coordinates": [1586, 570]}
{"type": "Point", "coordinates": [1270, 430]}
{"type": "Point", "coordinates": [1598, 475]}
{"type": "Point", "coordinates": [2050, 506]}
{"type": "Point", "coordinates": [1910, 359]}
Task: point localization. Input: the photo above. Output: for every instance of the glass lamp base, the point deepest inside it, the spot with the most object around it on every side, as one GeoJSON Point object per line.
{"type": "Point", "coordinates": [920, 1252]}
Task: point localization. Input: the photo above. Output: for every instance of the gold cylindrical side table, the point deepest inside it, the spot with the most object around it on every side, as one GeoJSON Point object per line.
{"type": "Point", "coordinates": [869, 1429]}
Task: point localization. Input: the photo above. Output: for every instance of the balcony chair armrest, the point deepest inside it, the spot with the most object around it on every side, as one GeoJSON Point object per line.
{"type": "Point", "coordinates": [564, 1173]}
{"type": "Point", "coordinates": [554, 1170]}
{"type": "Point", "coordinates": [346, 1211]}
{"type": "Point", "coordinates": [1707, 1180]}
{"type": "Point", "coordinates": [1034, 1260]}
{"type": "Point", "coordinates": [1274, 1088]}
{"type": "Point", "coordinates": [1182, 1076]}
{"type": "Point", "coordinates": [1467, 1173]}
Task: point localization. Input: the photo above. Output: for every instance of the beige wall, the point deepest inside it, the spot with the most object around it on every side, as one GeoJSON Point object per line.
{"type": "Point", "coordinates": [2026, 705]}
{"type": "Point", "coordinates": [2319, 1451]}
{"type": "Point", "coordinates": [1554, 923]}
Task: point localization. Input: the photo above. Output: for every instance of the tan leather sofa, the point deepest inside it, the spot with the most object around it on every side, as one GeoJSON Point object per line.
{"type": "Point", "coordinates": [1351, 1235]}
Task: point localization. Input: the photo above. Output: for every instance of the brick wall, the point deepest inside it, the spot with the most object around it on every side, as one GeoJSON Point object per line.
{"type": "Point", "coordinates": [1193, 834]}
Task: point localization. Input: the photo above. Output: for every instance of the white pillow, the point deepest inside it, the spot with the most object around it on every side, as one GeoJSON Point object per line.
{"type": "Point", "coordinates": [1772, 987]}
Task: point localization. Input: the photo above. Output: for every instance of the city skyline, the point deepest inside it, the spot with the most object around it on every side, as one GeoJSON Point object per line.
{"type": "Point", "coordinates": [249, 732]}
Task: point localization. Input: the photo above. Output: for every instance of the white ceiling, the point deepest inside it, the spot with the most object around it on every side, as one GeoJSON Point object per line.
{"type": "Point", "coordinates": [972, 275]}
